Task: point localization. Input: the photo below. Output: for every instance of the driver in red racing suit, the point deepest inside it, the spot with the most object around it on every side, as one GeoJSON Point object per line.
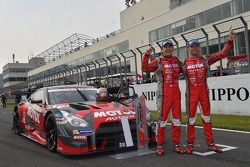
{"type": "Point", "coordinates": [196, 69]}
{"type": "Point", "coordinates": [167, 69]}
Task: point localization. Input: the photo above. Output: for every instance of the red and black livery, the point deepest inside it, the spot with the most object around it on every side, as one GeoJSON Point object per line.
{"type": "Point", "coordinates": [69, 119]}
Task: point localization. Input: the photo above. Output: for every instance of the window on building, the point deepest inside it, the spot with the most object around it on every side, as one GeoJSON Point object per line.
{"type": "Point", "coordinates": [179, 26]}
{"type": "Point", "coordinates": [191, 23]}
{"type": "Point", "coordinates": [163, 32]}
{"type": "Point", "coordinates": [226, 10]}
{"type": "Point", "coordinates": [200, 19]}
{"type": "Point", "coordinates": [108, 51]}
{"type": "Point", "coordinates": [213, 15]}
{"type": "Point", "coordinates": [15, 79]}
{"type": "Point", "coordinates": [123, 46]}
{"type": "Point", "coordinates": [176, 3]}
{"type": "Point", "coordinates": [237, 6]}
{"type": "Point", "coordinates": [153, 36]}
{"type": "Point", "coordinates": [246, 4]}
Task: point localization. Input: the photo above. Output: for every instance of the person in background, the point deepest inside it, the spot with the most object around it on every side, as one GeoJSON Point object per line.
{"type": "Point", "coordinates": [18, 99]}
{"type": "Point", "coordinates": [3, 100]}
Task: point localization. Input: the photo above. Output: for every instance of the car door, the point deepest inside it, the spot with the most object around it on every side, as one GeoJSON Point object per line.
{"type": "Point", "coordinates": [36, 109]}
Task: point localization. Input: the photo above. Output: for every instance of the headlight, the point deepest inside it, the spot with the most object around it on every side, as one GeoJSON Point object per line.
{"type": "Point", "coordinates": [74, 120]}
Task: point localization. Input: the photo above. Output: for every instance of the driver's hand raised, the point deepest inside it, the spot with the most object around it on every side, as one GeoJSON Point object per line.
{"type": "Point", "coordinates": [232, 34]}
{"type": "Point", "coordinates": [150, 50]}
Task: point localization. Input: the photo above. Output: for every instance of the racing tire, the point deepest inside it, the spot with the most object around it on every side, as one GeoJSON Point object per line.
{"type": "Point", "coordinates": [51, 133]}
{"type": "Point", "coordinates": [16, 129]}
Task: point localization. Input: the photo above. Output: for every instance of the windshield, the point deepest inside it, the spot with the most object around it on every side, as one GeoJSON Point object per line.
{"type": "Point", "coordinates": [71, 95]}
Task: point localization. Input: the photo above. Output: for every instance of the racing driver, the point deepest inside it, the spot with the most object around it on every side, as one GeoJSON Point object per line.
{"type": "Point", "coordinates": [167, 69]}
{"type": "Point", "coordinates": [102, 95]}
{"type": "Point", "coordinates": [196, 69]}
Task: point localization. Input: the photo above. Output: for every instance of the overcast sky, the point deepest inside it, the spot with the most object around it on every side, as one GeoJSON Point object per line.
{"type": "Point", "coordinates": [32, 26]}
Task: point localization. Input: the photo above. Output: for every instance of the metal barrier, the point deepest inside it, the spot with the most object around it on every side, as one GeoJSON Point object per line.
{"type": "Point", "coordinates": [91, 68]}
{"type": "Point", "coordinates": [103, 64]}
{"type": "Point", "coordinates": [142, 50]}
{"type": "Point", "coordinates": [126, 55]}
{"type": "Point", "coordinates": [237, 24]}
{"type": "Point", "coordinates": [112, 59]}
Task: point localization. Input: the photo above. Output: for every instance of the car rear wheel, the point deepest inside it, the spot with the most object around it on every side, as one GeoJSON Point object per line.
{"type": "Point", "coordinates": [51, 133]}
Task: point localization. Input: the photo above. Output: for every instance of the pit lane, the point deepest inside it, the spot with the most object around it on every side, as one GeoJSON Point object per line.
{"type": "Point", "coordinates": [19, 151]}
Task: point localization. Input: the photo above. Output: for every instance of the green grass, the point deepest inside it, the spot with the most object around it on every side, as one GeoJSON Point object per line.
{"type": "Point", "coordinates": [8, 106]}
{"type": "Point", "coordinates": [234, 122]}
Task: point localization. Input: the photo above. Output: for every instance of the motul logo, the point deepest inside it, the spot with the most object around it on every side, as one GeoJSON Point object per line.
{"type": "Point", "coordinates": [113, 113]}
{"type": "Point", "coordinates": [193, 66]}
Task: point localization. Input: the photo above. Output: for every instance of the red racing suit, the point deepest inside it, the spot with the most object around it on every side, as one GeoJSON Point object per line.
{"type": "Point", "coordinates": [195, 70]}
{"type": "Point", "coordinates": [167, 71]}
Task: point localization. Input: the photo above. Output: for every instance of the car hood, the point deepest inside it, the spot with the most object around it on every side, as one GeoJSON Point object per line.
{"type": "Point", "coordinates": [99, 111]}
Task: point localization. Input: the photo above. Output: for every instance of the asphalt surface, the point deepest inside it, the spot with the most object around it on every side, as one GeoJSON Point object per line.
{"type": "Point", "coordinates": [18, 151]}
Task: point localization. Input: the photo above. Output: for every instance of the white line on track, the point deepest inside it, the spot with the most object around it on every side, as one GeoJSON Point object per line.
{"type": "Point", "coordinates": [220, 129]}
{"type": "Point", "coordinates": [224, 148]}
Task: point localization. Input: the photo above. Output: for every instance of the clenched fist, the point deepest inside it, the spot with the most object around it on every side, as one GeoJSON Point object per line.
{"type": "Point", "coordinates": [150, 50]}
{"type": "Point", "coordinates": [232, 34]}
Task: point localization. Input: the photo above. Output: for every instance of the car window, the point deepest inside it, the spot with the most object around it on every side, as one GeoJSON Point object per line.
{"type": "Point", "coordinates": [88, 94]}
{"type": "Point", "coordinates": [58, 96]}
{"type": "Point", "coordinates": [38, 95]}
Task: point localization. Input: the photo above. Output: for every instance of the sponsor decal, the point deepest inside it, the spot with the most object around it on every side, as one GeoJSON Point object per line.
{"type": "Point", "coordinates": [122, 144]}
{"type": "Point", "coordinates": [60, 106]}
{"type": "Point", "coordinates": [33, 115]}
{"type": "Point", "coordinates": [78, 132]}
{"type": "Point", "coordinates": [115, 115]}
{"type": "Point", "coordinates": [150, 95]}
{"type": "Point", "coordinates": [171, 65]}
{"type": "Point", "coordinates": [221, 93]}
{"type": "Point", "coordinates": [79, 137]}
{"type": "Point", "coordinates": [169, 76]}
{"type": "Point", "coordinates": [85, 131]}
{"type": "Point", "coordinates": [194, 66]}
{"type": "Point", "coordinates": [119, 118]}
{"type": "Point", "coordinates": [38, 109]}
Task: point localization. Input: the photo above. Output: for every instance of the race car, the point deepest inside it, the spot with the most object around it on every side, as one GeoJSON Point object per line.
{"type": "Point", "coordinates": [76, 119]}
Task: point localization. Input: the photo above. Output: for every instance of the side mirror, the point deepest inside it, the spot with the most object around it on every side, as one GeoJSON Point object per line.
{"type": "Point", "coordinates": [36, 101]}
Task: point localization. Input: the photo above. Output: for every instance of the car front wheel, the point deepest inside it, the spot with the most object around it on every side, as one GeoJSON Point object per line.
{"type": "Point", "coordinates": [51, 133]}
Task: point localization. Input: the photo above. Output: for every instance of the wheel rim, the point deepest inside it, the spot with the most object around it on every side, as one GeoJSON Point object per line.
{"type": "Point", "coordinates": [51, 134]}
